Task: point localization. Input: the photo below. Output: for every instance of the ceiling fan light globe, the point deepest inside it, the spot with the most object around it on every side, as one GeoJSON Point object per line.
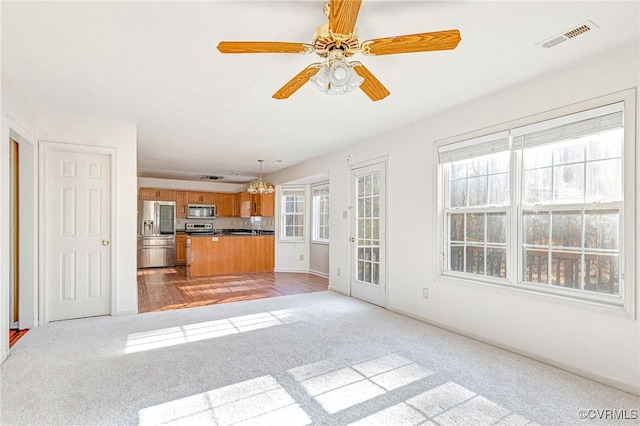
{"type": "Point", "coordinates": [339, 74]}
{"type": "Point", "coordinates": [321, 80]}
{"type": "Point", "coordinates": [337, 90]}
{"type": "Point", "coordinates": [354, 83]}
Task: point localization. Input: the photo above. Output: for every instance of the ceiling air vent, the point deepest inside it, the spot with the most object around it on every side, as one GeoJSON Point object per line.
{"type": "Point", "coordinates": [211, 177]}
{"type": "Point", "coordinates": [567, 35]}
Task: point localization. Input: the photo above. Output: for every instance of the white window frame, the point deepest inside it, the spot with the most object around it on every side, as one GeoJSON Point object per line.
{"type": "Point", "coordinates": [626, 300]}
{"type": "Point", "coordinates": [292, 191]}
{"type": "Point", "coordinates": [318, 199]}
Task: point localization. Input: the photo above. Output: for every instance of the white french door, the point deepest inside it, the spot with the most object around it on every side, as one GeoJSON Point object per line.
{"type": "Point", "coordinates": [368, 254]}
{"type": "Point", "coordinates": [77, 217]}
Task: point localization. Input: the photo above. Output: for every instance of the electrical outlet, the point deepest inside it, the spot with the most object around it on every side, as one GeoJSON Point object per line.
{"type": "Point", "coordinates": [338, 271]}
{"type": "Point", "coordinates": [302, 257]}
{"type": "Point", "coordinates": [425, 293]}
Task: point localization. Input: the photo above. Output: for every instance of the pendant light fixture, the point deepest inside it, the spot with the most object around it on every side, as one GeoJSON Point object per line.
{"type": "Point", "coordinates": [260, 187]}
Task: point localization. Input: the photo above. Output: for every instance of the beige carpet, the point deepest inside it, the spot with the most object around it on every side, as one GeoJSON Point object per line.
{"type": "Point", "coordinates": [319, 358]}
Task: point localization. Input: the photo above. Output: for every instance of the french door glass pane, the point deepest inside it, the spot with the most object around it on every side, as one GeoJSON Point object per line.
{"type": "Point", "coordinates": [368, 224]}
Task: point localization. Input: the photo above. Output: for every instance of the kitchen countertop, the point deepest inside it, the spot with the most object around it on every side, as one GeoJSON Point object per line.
{"type": "Point", "coordinates": [234, 233]}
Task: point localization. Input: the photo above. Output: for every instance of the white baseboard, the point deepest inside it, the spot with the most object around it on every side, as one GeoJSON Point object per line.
{"type": "Point", "coordinates": [123, 313]}
{"type": "Point", "coordinates": [577, 371]}
{"type": "Point", "coordinates": [337, 290]}
{"type": "Point", "coordinates": [4, 355]}
{"type": "Point", "coordinates": [318, 273]}
{"type": "Point", "coordinates": [303, 271]}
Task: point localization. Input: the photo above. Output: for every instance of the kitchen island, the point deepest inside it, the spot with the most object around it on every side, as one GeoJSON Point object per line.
{"type": "Point", "coordinates": [226, 254]}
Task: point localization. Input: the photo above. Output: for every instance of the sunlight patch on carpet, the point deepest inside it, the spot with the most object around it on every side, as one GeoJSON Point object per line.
{"type": "Point", "coordinates": [256, 401]}
{"type": "Point", "coordinates": [446, 404]}
{"type": "Point", "coordinates": [338, 388]}
{"type": "Point", "coordinates": [162, 338]}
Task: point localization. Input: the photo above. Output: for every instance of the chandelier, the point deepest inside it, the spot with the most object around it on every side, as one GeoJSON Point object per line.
{"type": "Point", "coordinates": [260, 187]}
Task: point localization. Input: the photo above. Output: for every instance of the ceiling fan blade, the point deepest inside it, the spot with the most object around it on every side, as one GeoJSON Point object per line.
{"type": "Point", "coordinates": [371, 85]}
{"type": "Point", "coordinates": [297, 82]}
{"type": "Point", "coordinates": [343, 15]}
{"type": "Point", "coordinates": [263, 47]}
{"type": "Point", "coordinates": [439, 40]}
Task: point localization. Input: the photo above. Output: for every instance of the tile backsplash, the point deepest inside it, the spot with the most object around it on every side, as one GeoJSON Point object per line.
{"type": "Point", "coordinates": [265, 223]}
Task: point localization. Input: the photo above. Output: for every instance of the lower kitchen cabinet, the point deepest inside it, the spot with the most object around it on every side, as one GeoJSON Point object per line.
{"type": "Point", "coordinates": [181, 249]}
{"type": "Point", "coordinates": [222, 255]}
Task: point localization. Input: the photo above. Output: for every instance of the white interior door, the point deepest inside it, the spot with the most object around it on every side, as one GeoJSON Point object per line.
{"type": "Point", "coordinates": [78, 225]}
{"type": "Point", "coordinates": [368, 275]}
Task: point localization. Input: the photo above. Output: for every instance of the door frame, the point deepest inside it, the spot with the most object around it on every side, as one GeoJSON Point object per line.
{"type": "Point", "coordinates": [28, 251]}
{"type": "Point", "coordinates": [45, 150]}
{"type": "Point", "coordinates": [382, 161]}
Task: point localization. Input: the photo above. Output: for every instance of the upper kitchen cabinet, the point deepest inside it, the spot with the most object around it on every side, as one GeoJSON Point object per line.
{"type": "Point", "coordinates": [263, 204]}
{"type": "Point", "coordinates": [200, 197]}
{"type": "Point", "coordinates": [243, 204]}
{"type": "Point", "coordinates": [181, 204]}
{"type": "Point", "coordinates": [225, 204]}
{"type": "Point", "coordinates": [157, 194]}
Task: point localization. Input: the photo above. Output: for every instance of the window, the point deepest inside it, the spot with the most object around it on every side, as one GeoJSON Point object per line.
{"type": "Point", "coordinates": [540, 207]}
{"type": "Point", "coordinates": [292, 213]}
{"type": "Point", "coordinates": [321, 213]}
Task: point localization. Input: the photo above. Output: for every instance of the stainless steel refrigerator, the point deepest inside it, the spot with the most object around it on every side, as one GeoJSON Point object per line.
{"type": "Point", "coordinates": [156, 233]}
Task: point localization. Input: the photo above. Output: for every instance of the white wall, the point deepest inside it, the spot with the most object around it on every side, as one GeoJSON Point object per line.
{"type": "Point", "coordinates": [596, 344]}
{"type": "Point", "coordinates": [319, 259]}
{"type": "Point", "coordinates": [122, 137]}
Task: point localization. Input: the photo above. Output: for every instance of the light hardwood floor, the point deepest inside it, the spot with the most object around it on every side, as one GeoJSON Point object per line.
{"type": "Point", "coordinates": [160, 289]}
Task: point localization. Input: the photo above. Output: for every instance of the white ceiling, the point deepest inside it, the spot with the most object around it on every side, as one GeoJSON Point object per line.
{"type": "Point", "coordinates": [155, 64]}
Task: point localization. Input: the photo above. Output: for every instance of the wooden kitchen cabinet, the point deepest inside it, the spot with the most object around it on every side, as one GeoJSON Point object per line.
{"type": "Point", "coordinates": [200, 197]}
{"type": "Point", "coordinates": [181, 204]}
{"type": "Point", "coordinates": [225, 204]}
{"type": "Point", "coordinates": [157, 194]}
{"type": "Point", "coordinates": [181, 249]}
{"type": "Point", "coordinates": [248, 205]}
{"type": "Point", "coordinates": [223, 255]}
{"type": "Point", "coordinates": [263, 204]}
{"type": "Point", "coordinates": [243, 204]}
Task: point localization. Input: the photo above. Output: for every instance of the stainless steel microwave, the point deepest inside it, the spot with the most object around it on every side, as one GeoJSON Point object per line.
{"type": "Point", "coordinates": [201, 211]}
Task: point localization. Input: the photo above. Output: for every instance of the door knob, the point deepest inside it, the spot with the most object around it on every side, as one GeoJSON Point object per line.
{"type": "Point", "coordinates": [352, 239]}
{"type": "Point", "coordinates": [105, 242]}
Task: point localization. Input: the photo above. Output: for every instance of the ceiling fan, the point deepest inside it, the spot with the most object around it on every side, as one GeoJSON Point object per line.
{"type": "Point", "coordinates": [337, 41]}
